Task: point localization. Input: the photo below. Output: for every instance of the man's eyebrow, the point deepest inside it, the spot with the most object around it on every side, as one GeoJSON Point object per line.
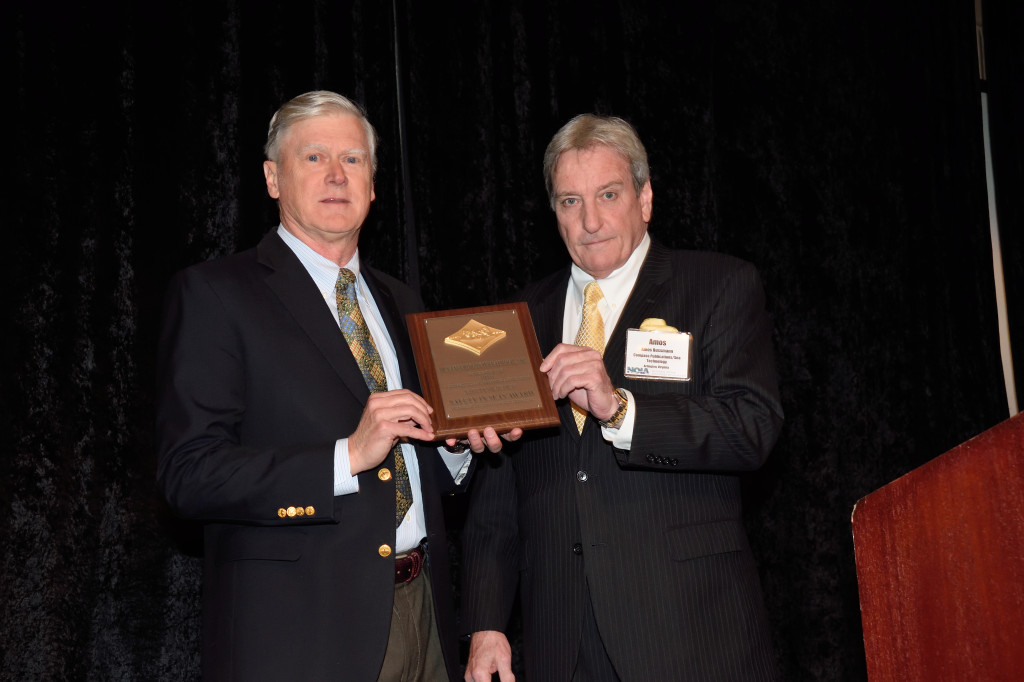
{"type": "Point", "coordinates": [611, 184]}
{"type": "Point", "coordinates": [323, 148]}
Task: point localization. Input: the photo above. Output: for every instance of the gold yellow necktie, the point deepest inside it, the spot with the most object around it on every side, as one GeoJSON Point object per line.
{"type": "Point", "coordinates": [591, 335]}
{"type": "Point", "coordinates": [353, 326]}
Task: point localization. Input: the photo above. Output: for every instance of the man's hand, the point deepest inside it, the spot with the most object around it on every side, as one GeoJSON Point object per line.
{"type": "Point", "coordinates": [387, 418]}
{"type": "Point", "coordinates": [578, 373]}
{"type": "Point", "coordinates": [488, 440]}
{"type": "Point", "coordinates": [489, 652]}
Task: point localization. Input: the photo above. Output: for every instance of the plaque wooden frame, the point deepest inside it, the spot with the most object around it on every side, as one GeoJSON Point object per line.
{"type": "Point", "coordinates": [451, 421]}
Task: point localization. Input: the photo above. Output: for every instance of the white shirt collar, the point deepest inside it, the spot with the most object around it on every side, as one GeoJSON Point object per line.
{"type": "Point", "coordinates": [616, 288]}
{"type": "Point", "coordinates": [619, 283]}
{"type": "Point", "coordinates": [323, 270]}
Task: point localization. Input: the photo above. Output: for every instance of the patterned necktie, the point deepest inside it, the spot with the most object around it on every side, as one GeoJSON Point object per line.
{"type": "Point", "coordinates": [353, 326]}
{"type": "Point", "coordinates": [591, 335]}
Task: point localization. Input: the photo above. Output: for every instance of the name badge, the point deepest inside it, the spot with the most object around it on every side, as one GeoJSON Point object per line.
{"type": "Point", "coordinates": [658, 355]}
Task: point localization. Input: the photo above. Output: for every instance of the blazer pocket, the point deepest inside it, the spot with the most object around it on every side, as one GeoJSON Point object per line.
{"type": "Point", "coordinates": [267, 544]}
{"type": "Point", "coordinates": [717, 537]}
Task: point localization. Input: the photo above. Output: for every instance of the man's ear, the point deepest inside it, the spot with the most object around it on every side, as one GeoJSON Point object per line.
{"type": "Point", "coordinates": [270, 173]}
{"type": "Point", "coordinates": [646, 201]}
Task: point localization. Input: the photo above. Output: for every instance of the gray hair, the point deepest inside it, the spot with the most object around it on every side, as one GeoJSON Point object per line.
{"type": "Point", "coordinates": [590, 130]}
{"type": "Point", "coordinates": [316, 103]}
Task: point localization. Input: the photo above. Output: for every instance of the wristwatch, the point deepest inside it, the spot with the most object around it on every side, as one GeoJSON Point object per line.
{"type": "Point", "coordinates": [615, 421]}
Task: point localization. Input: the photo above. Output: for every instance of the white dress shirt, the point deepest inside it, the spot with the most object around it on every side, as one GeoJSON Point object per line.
{"type": "Point", "coordinates": [616, 288]}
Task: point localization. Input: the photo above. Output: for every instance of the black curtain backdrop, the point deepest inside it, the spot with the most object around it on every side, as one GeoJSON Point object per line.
{"type": "Point", "coordinates": [836, 145]}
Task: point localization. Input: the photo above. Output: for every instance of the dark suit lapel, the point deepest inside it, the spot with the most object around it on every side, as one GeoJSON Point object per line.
{"type": "Point", "coordinates": [396, 326]}
{"type": "Point", "coordinates": [547, 311]}
{"type": "Point", "coordinates": [643, 302]}
{"type": "Point", "coordinates": [288, 279]}
{"type": "Point", "coordinates": [397, 329]}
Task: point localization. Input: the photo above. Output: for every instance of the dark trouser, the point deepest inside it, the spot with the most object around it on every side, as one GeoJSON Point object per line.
{"type": "Point", "coordinates": [414, 648]}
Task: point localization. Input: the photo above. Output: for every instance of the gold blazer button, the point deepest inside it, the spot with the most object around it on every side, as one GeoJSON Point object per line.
{"type": "Point", "coordinates": [282, 513]}
{"type": "Point", "coordinates": [384, 474]}
{"type": "Point", "coordinates": [384, 550]}
{"type": "Point", "coordinates": [310, 511]}
{"type": "Point", "coordinates": [291, 511]}
{"type": "Point", "coordinates": [300, 511]}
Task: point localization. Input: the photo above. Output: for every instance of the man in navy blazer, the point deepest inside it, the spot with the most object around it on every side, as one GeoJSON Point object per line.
{"type": "Point", "coordinates": [625, 540]}
{"type": "Point", "coordinates": [269, 433]}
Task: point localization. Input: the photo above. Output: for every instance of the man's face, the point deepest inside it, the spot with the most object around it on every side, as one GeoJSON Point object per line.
{"type": "Point", "coordinates": [600, 217]}
{"type": "Point", "coordinates": [323, 179]}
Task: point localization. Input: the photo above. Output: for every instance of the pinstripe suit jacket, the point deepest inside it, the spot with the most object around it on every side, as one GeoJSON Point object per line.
{"type": "Point", "coordinates": [655, 531]}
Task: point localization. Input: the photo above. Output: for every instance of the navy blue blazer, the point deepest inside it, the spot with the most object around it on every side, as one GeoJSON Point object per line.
{"type": "Point", "coordinates": [256, 383]}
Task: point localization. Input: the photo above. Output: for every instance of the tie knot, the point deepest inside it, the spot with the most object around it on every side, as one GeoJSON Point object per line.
{"type": "Point", "coordinates": [346, 278]}
{"type": "Point", "coordinates": [592, 293]}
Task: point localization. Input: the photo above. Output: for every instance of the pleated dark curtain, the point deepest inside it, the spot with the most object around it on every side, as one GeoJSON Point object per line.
{"type": "Point", "coordinates": [836, 145]}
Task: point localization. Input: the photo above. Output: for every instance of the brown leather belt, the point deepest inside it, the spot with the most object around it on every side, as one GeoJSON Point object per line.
{"type": "Point", "coordinates": [409, 566]}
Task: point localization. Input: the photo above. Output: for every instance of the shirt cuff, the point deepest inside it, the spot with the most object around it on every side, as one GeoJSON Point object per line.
{"type": "Point", "coordinates": [344, 482]}
{"type": "Point", "coordinates": [622, 437]}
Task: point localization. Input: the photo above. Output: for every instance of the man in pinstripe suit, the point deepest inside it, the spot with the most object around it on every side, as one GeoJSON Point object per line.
{"type": "Point", "coordinates": [625, 539]}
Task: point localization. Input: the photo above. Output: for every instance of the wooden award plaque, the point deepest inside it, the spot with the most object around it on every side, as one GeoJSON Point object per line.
{"type": "Point", "coordinates": [478, 367]}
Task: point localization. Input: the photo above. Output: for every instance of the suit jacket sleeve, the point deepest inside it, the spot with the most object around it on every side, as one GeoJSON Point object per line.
{"type": "Point", "coordinates": [730, 415]}
{"type": "Point", "coordinates": [490, 546]}
{"type": "Point", "coordinates": [216, 461]}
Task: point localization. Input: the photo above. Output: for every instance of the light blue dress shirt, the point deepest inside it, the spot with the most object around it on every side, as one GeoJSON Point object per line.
{"type": "Point", "coordinates": [325, 274]}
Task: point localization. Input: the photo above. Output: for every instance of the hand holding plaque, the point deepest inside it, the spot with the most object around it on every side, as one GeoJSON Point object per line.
{"type": "Point", "coordinates": [478, 367]}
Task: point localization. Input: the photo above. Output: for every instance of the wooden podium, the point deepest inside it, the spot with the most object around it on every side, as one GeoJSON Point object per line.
{"type": "Point", "coordinates": [940, 565]}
